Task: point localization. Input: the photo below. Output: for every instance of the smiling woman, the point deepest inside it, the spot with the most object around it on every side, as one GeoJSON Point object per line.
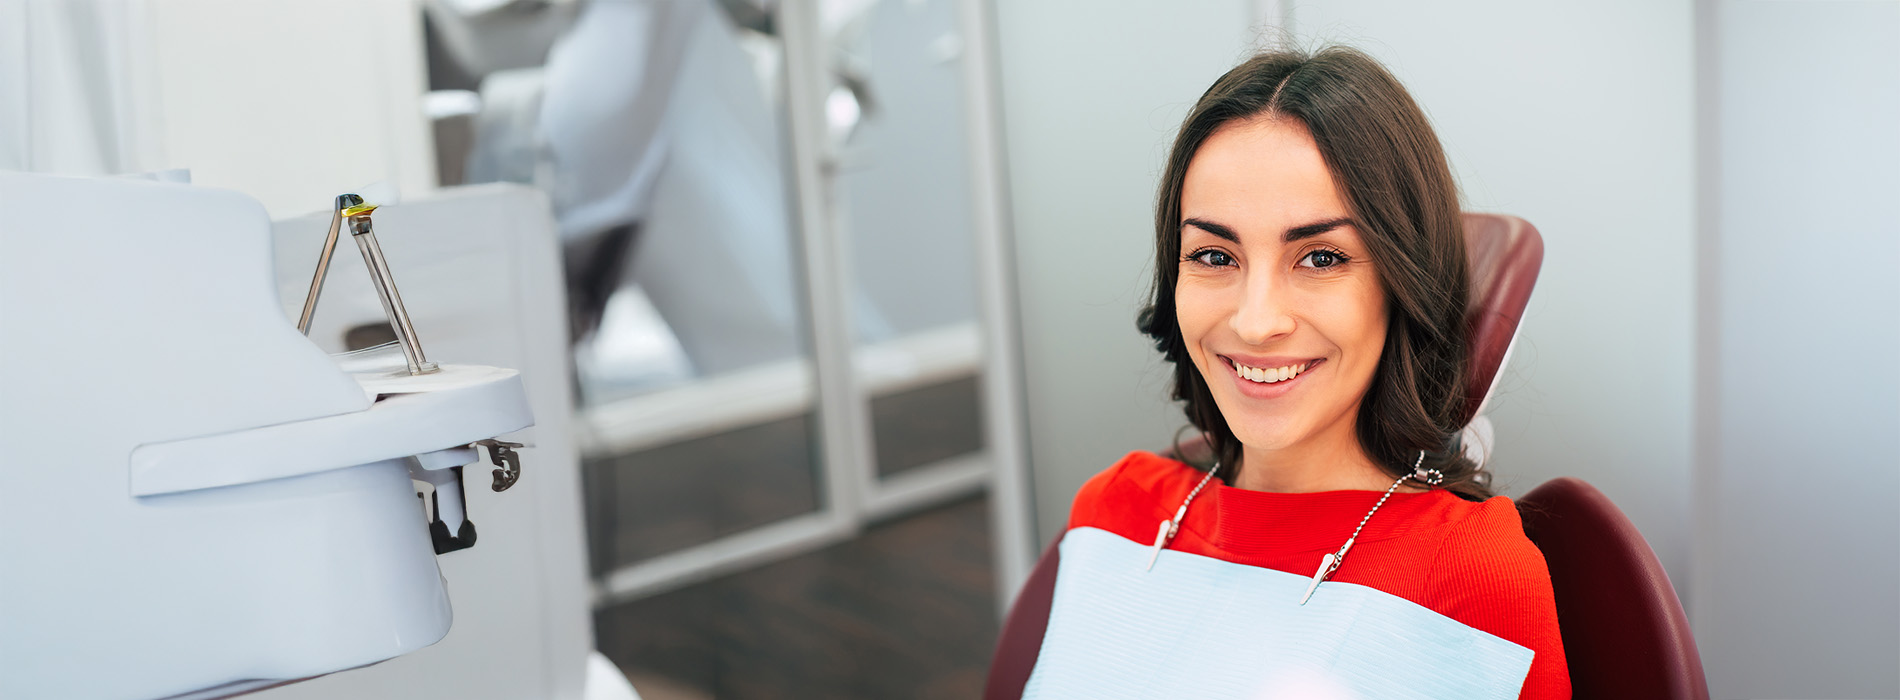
{"type": "Point", "coordinates": [1325, 155]}
{"type": "Point", "coordinates": [1310, 289]}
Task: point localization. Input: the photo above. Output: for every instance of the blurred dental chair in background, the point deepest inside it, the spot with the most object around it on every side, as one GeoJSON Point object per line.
{"type": "Point", "coordinates": [660, 149]}
{"type": "Point", "coordinates": [1624, 631]}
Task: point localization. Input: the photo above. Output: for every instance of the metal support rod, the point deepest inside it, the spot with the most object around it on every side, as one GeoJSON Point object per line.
{"type": "Point", "coordinates": [386, 290]}
{"type": "Point", "coordinates": [844, 424]}
{"type": "Point", "coordinates": [343, 201]}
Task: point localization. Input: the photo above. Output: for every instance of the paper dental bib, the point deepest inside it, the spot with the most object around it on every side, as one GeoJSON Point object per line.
{"type": "Point", "coordinates": [1200, 627]}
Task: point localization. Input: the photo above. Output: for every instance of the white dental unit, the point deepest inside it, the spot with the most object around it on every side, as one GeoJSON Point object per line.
{"type": "Point", "coordinates": [199, 501]}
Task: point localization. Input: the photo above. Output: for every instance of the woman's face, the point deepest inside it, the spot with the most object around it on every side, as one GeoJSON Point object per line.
{"type": "Point", "coordinates": [1277, 297]}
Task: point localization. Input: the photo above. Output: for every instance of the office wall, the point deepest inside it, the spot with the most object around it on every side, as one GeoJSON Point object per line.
{"type": "Point", "coordinates": [1798, 572]}
{"type": "Point", "coordinates": [1092, 93]}
{"type": "Point", "coordinates": [293, 108]}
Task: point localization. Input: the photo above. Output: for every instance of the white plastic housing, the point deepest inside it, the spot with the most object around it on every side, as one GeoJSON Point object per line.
{"type": "Point", "coordinates": [480, 270]}
{"type": "Point", "coordinates": [140, 336]}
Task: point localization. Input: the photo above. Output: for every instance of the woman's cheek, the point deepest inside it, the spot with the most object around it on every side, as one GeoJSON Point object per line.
{"type": "Point", "coordinates": [1365, 317]}
{"type": "Point", "coordinates": [1187, 308]}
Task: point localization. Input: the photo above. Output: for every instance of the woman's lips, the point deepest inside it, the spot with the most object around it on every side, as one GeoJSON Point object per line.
{"type": "Point", "coordinates": [1269, 377]}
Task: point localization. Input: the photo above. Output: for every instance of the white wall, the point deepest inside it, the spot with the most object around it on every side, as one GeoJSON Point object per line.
{"type": "Point", "coordinates": [1092, 93]}
{"type": "Point", "coordinates": [1798, 569]}
{"type": "Point", "coordinates": [291, 102]}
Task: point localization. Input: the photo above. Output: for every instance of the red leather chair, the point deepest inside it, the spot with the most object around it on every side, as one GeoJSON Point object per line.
{"type": "Point", "coordinates": [1624, 631]}
{"type": "Point", "coordinates": [1506, 253]}
{"type": "Point", "coordinates": [1625, 635]}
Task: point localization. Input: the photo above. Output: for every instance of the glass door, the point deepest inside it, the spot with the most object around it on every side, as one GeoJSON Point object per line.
{"type": "Point", "coordinates": [812, 332]}
{"type": "Point", "coordinates": [898, 146]}
{"type": "Point", "coordinates": [705, 445]}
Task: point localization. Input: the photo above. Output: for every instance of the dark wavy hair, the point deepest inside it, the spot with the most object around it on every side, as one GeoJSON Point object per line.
{"type": "Point", "coordinates": [1387, 162]}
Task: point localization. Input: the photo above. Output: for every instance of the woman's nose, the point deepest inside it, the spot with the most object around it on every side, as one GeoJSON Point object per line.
{"type": "Point", "coordinates": [1263, 314]}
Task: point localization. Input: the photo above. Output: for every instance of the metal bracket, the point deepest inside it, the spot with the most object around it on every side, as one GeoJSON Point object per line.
{"type": "Point", "coordinates": [503, 455]}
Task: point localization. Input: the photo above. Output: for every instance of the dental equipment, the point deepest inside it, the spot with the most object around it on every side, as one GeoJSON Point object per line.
{"type": "Point", "coordinates": [200, 502]}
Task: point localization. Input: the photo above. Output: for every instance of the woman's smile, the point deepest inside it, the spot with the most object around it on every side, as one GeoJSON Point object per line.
{"type": "Point", "coordinates": [1269, 377]}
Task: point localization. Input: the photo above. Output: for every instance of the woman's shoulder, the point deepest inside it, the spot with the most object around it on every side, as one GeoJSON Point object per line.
{"type": "Point", "coordinates": [1131, 487]}
{"type": "Point", "coordinates": [1485, 542]}
{"type": "Point", "coordinates": [1489, 575]}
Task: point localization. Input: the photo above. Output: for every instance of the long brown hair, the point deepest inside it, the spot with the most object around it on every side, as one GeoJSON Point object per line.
{"type": "Point", "coordinates": [1388, 163]}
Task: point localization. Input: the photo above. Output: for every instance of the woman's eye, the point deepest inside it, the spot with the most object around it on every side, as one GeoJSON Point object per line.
{"type": "Point", "coordinates": [1323, 259]}
{"type": "Point", "coordinates": [1212, 258]}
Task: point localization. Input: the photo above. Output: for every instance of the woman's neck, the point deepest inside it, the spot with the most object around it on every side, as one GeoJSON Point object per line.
{"type": "Point", "coordinates": [1313, 466]}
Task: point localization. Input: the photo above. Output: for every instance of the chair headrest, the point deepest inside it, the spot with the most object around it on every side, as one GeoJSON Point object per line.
{"type": "Point", "coordinates": [1506, 253]}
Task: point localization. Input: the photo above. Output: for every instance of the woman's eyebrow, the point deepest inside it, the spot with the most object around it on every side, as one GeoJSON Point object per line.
{"type": "Point", "coordinates": [1314, 229]}
{"type": "Point", "coordinates": [1212, 228]}
{"type": "Point", "coordinates": [1292, 234]}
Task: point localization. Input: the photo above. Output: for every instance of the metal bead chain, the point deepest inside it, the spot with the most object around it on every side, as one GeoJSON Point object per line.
{"type": "Point", "coordinates": [1330, 563]}
{"type": "Point", "coordinates": [1416, 472]}
{"type": "Point", "coordinates": [1181, 514]}
{"type": "Point", "coordinates": [1169, 527]}
{"type": "Point", "coordinates": [1430, 477]}
{"type": "Point", "coordinates": [1198, 487]}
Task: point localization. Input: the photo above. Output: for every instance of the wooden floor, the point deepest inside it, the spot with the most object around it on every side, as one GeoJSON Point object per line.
{"type": "Point", "coordinates": [907, 610]}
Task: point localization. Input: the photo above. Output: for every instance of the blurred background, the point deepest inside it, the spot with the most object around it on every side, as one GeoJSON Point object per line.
{"type": "Point", "coordinates": [850, 284]}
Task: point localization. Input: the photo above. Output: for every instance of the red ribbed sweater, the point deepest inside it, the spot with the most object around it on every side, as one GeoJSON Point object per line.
{"type": "Point", "coordinates": [1467, 561]}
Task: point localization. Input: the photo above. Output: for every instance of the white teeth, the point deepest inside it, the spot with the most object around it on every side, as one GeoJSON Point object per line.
{"type": "Point", "coordinates": [1269, 376]}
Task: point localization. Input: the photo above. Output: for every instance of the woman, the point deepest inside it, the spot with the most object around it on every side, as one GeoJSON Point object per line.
{"type": "Point", "coordinates": [1310, 291]}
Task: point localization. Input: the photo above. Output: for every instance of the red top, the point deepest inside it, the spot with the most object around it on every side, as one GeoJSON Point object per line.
{"type": "Point", "coordinates": [1467, 561]}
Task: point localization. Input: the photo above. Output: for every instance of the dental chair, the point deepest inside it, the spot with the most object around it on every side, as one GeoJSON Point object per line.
{"type": "Point", "coordinates": [1625, 634]}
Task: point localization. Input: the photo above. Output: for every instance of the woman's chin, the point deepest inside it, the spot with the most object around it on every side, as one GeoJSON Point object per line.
{"type": "Point", "coordinates": [1267, 435]}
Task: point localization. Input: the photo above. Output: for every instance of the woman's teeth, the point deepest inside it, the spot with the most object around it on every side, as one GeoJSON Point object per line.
{"type": "Point", "coordinates": [1269, 376]}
